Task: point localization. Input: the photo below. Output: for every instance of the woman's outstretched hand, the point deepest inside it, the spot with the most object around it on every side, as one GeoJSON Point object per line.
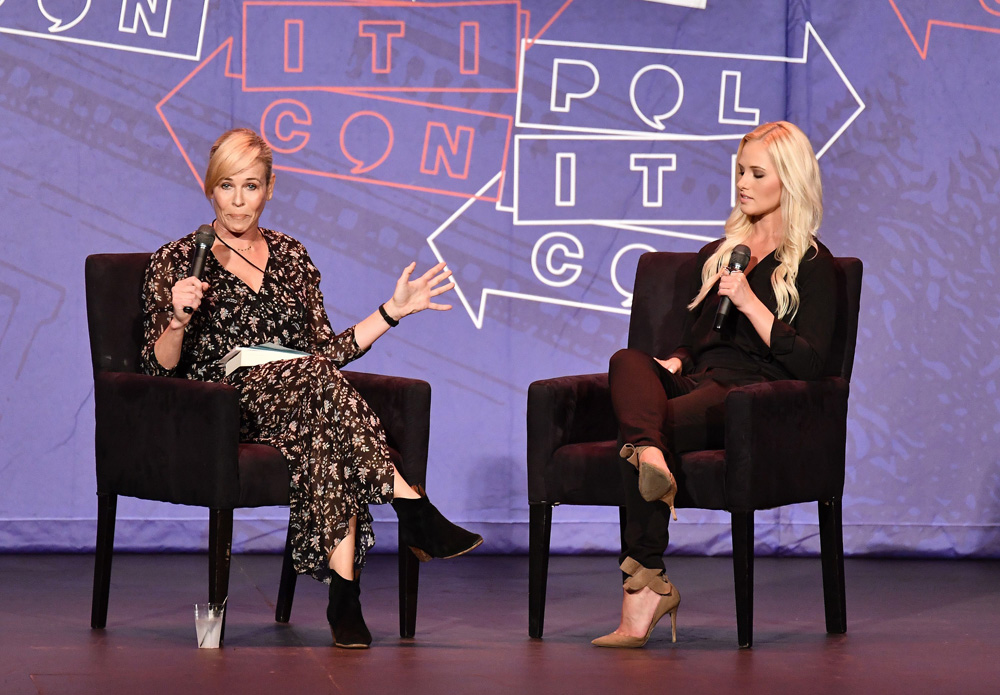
{"type": "Point", "coordinates": [417, 294]}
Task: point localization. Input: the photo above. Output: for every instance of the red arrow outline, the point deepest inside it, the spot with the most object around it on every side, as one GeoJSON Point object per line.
{"type": "Point", "coordinates": [518, 11]}
{"type": "Point", "coordinates": [228, 46]}
{"type": "Point", "coordinates": [943, 23]}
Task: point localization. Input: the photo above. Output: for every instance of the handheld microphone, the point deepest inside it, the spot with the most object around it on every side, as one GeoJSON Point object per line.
{"type": "Point", "coordinates": [203, 240]}
{"type": "Point", "coordinates": [738, 260]}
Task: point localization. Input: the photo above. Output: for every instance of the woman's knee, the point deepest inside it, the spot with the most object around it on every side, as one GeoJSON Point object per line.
{"type": "Point", "coordinates": [627, 360]}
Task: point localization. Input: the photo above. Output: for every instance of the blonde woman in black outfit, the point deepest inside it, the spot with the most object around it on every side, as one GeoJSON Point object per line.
{"type": "Point", "coordinates": [781, 329]}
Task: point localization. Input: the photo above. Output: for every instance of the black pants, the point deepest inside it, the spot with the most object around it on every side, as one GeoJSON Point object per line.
{"type": "Point", "coordinates": [673, 413]}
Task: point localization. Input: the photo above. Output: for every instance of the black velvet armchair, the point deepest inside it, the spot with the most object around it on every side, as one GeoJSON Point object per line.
{"type": "Point", "coordinates": [785, 442]}
{"type": "Point", "coordinates": [177, 440]}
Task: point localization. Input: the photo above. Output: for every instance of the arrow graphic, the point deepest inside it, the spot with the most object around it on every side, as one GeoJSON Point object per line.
{"type": "Point", "coordinates": [107, 24]}
{"type": "Point", "coordinates": [592, 267]}
{"type": "Point", "coordinates": [668, 93]}
{"type": "Point", "coordinates": [342, 135]}
{"type": "Point", "coordinates": [972, 15]}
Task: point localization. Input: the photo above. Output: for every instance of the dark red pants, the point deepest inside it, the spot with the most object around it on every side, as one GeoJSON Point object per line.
{"type": "Point", "coordinates": [673, 413]}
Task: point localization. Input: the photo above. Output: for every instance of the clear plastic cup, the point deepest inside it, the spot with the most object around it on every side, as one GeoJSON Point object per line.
{"type": "Point", "coordinates": [208, 624]}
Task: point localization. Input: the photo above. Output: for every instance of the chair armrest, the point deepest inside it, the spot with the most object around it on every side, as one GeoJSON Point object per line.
{"type": "Point", "coordinates": [404, 407]}
{"type": "Point", "coordinates": [785, 443]}
{"type": "Point", "coordinates": [167, 439]}
{"type": "Point", "coordinates": [566, 410]}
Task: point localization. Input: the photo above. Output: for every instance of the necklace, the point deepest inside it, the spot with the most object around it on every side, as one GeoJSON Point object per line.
{"type": "Point", "coordinates": [237, 249]}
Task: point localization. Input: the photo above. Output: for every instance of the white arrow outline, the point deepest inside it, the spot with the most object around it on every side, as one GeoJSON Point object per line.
{"type": "Point", "coordinates": [809, 31]}
{"type": "Point", "coordinates": [634, 137]}
{"type": "Point", "coordinates": [477, 319]}
{"type": "Point", "coordinates": [121, 47]}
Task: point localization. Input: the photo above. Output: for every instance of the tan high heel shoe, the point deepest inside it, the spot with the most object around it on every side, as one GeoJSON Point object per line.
{"type": "Point", "coordinates": [670, 599]}
{"type": "Point", "coordinates": [655, 483]}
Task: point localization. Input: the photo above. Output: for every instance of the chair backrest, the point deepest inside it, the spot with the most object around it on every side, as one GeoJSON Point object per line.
{"type": "Point", "coordinates": [660, 297]}
{"type": "Point", "coordinates": [114, 313]}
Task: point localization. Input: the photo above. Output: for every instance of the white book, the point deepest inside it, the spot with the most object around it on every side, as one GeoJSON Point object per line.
{"type": "Point", "coordinates": [252, 355]}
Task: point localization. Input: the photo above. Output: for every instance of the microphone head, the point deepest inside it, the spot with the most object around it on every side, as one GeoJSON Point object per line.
{"type": "Point", "coordinates": [205, 236]}
{"type": "Point", "coordinates": [739, 258]}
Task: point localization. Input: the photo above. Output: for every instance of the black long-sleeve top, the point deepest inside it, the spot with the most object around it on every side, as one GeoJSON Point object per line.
{"type": "Point", "coordinates": [798, 347]}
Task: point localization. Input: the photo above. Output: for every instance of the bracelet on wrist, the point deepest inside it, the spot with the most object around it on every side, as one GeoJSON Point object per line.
{"type": "Point", "coordinates": [385, 315]}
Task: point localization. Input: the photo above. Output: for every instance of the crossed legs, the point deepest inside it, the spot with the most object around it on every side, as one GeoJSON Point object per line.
{"type": "Point", "coordinates": [342, 557]}
{"type": "Point", "coordinates": [661, 414]}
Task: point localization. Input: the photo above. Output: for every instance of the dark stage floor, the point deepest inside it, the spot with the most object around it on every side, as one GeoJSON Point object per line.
{"type": "Point", "coordinates": [913, 627]}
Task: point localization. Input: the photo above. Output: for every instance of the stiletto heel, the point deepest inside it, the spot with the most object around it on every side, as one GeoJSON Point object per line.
{"type": "Point", "coordinates": [670, 599]}
{"type": "Point", "coordinates": [655, 483]}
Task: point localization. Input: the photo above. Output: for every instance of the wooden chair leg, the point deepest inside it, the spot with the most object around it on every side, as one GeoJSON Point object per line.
{"type": "Point", "coordinates": [286, 587]}
{"type": "Point", "coordinates": [220, 547]}
{"type": "Point", "coordinates": [743, 575]}
{"type": "Point", "coordinates": [539, 534]}
{"type": "Point", "coordinates": [107, 506]}
{"type": "Point", "coordinates": [409, 581]}
{"type": "Point", "coordinates": [831, 540]}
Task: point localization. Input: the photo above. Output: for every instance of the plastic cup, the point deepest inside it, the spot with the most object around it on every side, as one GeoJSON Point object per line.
{"type": "Point", "coordinates": [208, 624]}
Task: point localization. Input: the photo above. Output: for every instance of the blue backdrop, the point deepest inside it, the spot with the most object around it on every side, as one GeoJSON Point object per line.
{"type": "Point", "coordinates": [537, 146]}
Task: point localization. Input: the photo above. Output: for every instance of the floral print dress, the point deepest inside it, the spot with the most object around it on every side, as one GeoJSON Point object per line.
{"type": "Point", "coordinates": [304, 407]}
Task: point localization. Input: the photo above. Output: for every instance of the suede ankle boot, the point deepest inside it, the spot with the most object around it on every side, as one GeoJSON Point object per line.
{"type": "Point", "coordinates": [428, 534]}
{"type": "Point", "coordinates": [344, 614]}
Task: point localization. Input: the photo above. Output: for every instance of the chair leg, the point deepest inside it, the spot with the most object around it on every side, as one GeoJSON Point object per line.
{"type": "Point", "coordinates": [831, 540]}
{"type": "Point", "coordinates": [286, 587]}
{"type": "Point", "coordinates": [743, 575]}
{"type": "Point", "coordinates": [107, 505]}
{"type": "Point", "coordinates": [220, 546]}
{"type": "Point", "coordinates": [409, 580]}
{"type": "Point", "coordinates": [622, 522]}
{"type": "Point", "coordinates": [539, 533]}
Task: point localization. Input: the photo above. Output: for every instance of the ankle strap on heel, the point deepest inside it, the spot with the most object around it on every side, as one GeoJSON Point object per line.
{"type": "Point", "coordinates": [640, 577]}
{"type": "Point", "coordinates": [631, 452]}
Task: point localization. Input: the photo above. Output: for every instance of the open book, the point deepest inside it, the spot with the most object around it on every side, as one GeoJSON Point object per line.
{"type": "Point", "coordinates": [250, 356]}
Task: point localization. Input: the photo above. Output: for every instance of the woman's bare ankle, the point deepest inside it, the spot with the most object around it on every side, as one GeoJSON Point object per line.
{"type": "Point", "coordinates": [637, 612]}
{"type": "Point", "coordinates": [401, 490]}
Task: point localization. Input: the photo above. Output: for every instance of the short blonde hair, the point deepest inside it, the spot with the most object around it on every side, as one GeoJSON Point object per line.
{"type": "Point", "coordinates": [234, 151]}
{"type": "Point", "coordinates": [801, 213]}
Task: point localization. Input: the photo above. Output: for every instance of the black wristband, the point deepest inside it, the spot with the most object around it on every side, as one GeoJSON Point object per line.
{"type": "Point", "coordinates": [388, 319]}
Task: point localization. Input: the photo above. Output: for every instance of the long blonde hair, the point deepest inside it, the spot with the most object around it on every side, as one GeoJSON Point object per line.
{"type": "Point", "coordinates": [801, 212]}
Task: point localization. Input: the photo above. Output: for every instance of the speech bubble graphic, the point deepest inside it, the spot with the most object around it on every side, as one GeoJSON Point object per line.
{"type": "Point", "coordinates": [58, 25]}
{"type": "Point", "coordinates": [668, 83]}
{"type": "Point", "coordinates": [366, 128]}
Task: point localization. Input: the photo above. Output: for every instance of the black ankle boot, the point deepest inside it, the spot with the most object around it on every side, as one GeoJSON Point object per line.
{"type": "Point", "coordinates": [344, 613]}
{"type": "Point", "coordinates": [428, 534]}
